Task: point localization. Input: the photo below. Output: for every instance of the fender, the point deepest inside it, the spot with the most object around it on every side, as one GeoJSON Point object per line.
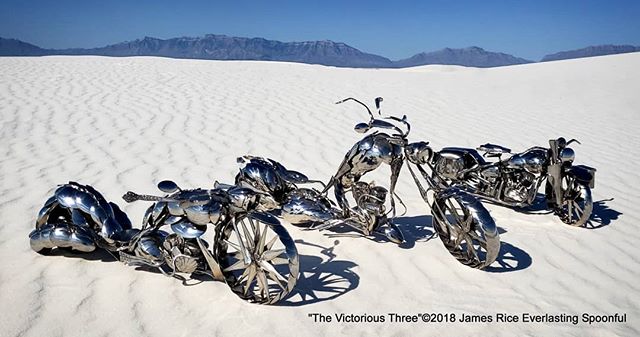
{"type": "Point", "coordinates": [475, 207]}
{"type": "Point", "coordinates": [583, 174]}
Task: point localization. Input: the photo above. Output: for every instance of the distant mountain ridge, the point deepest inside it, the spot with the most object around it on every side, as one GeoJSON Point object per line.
{"type": "Point", "coordinates": [222, 47]}
{"type": "Point", "coordinates": [13, 47]}
{"type": "Point", "coordinates": [607, 49]}
{"type": "Point", "coordinates": [470, 57]}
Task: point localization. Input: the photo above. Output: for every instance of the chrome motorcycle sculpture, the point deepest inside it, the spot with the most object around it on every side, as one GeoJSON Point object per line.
{"type": "Point", "coordinates": [515, 181]}
{"type": "Point", "coordinates": [252, 252]}
{"type": "Point", "coordinates": [461, 221]}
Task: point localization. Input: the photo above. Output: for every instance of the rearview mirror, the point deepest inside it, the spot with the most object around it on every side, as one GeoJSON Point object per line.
{"type": "Point", "coordinates": [361, 127]}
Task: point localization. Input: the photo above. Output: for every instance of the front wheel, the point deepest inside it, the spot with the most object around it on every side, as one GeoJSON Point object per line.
{"type": "Point", "coordinates": [577, 203]}
{"type": "Point", "coordinates": [466, 228]}
{"type": "Point", "coordinates": [258, 258]}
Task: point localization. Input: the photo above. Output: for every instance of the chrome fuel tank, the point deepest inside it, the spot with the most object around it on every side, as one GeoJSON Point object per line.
{"type": "Point", "coordinates": [533, 160]}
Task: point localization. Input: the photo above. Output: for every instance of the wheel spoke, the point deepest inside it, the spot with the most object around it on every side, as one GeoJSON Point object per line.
{"type": "Point", "coordinates": [278, 261]}
{"type": "Point", "coordinates": [237, 255]}
{"type": "Point", "coordinates": [272, 271]}
{"type": "Point", "coordinates": [474, 235]}
{"type": "Point", "coordinates": [234, 245]}
{"type": "Point", "coordinates": [275, 279]}
{"type": "Point", "coordinates": [579, 210]}
{"type": "Point", "coordinates": [251, 276]}
{"type": "Point", "coordinates": [570, 211]}
{"type": "Point", "coordinates": [454, 211]}
{"type": "Point", "coordinates": [467, 224]}
{"type": "Point", "coordinates": [263, 284]}
{"type": "Point", "coordinates": [271, 254]}
{"type": "Point", "coordinates": [576, 211]}
{"type": "Point", "coordinates": [256, 229]}
{"type": "Point", "coordinates": [262, 239]}
{"type": "Point", "coordinates": [458, 241]}
{"type": "Point", "coordinates": [247, 236]}
{"type": "Point", "coordinates": [270, 244]}
{"type": "Point", "coordinates": [236, 266]}
{"type": "Point", "coordinates": [470, 248]}
{"type": "Point", "coordinates": [446, 227]}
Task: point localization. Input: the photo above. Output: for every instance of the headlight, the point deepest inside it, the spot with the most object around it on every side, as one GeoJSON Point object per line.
{"type": "Point", "coordinates": [567, 155]}
{"type": "Point", "coordinates": [419, 153]}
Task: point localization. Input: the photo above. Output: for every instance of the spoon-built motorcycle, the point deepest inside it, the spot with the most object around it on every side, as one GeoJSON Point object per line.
{"type": "Point", "coordinates": [515, 181]}
{"type": "Point", "coordinates": [252, 251]}
{"type": "Point", "coordinates": [462, 223]}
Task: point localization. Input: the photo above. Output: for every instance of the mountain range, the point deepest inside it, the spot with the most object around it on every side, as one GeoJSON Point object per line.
{"type": "Point", "coordinates": [591, 51]}
{"type": "Point", "coordinates": [222, 47]}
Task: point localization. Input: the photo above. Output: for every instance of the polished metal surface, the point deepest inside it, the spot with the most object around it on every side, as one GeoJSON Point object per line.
{"type": "Point", "coordinates": [419, 153]}
{"type": "Point", "coordinates": [364, 206]}
{"type": "Point", "coordinates": [62, 235]}
{"type": "Point", "coordinates": [168, 186]}
{"type": "Point", "coordinates": [188, 230]}
{"type": "Point", "coordinates": [493, 149]}
{"type": "Point", "coordinates": [515, 181]}
{"type": "Point", "coordinates": [260, 261]}
{"type": "Point", "coordinates": [77, 217]}
{"type": "Point", "coordinates": [305, 206]}
{"type": "Point", "coordinates": [466, 228]}
{"type": "Point", "coordinates": [567, 155]}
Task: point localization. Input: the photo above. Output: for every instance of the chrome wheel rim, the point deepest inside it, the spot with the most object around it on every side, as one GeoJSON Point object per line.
{"type": "Point", "coordinates": [577, 203]}
{"type": "Point", "coordinates": [259, 260]}
{"type": "Point", "coordinates": [462, 235]}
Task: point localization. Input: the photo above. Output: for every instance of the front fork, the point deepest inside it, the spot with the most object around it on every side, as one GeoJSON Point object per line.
{"type": "Point", "coordinates": [554, 177]}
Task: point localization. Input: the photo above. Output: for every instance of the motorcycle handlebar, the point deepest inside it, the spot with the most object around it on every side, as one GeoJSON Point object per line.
{"type": "Point", "coordinates": [353, 99]}
{"type": "Point", "coordinates": [402, 120]}
{"type": "Point", "coordinates": [573, 140]}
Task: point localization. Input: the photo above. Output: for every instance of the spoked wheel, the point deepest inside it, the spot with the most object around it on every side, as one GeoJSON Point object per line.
{"type": "Point", "coordinates": [577, 204]}
{"type": "Point", "coordinates": [258, 258]}
{"type": "Point", "coordinates": [466, 229]}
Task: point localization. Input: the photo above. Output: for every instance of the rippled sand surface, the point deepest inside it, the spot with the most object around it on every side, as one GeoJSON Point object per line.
{"type": "Point", "coordinates": [124, 124]}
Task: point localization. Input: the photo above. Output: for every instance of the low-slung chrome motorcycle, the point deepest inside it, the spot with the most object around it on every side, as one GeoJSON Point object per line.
{"type": "Point", "coordinates": [515, 181]}
{"type": "Point", "coordinates": [463, 224]}
{"type": "Point", "coordinates": [252, 252]}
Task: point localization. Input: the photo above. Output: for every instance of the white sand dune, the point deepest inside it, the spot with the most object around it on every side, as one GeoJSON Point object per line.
{"type": "Point", "coordinates": [126, 123]}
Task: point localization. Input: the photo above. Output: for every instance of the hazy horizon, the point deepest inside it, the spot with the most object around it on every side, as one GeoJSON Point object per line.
{"type": "Point", "coordinates": [527, 29]}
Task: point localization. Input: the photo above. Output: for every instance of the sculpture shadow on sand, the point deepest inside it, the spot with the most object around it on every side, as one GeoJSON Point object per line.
{"type": "Point", "coordinates": [602, 215]}
{"type": "Point", "coordinates": [419, 229]}
{"type": "Point", "coordinates": [510, 258]}
{"type": "Point", "coordinates": [96, 255]}
{"type": "Point", "coordinates": [415, 229]}
{"type": "Point", "coordinates": [322, 278]}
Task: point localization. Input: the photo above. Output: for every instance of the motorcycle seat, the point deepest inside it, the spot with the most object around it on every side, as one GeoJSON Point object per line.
{"type": "Point", "coordinates": [493, 149]}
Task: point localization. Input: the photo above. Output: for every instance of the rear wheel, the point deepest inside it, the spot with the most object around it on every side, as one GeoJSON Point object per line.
{"type": "Point", "coordinates": [466, 229]}
{"type": "Point", "coordinates": [258, 258]}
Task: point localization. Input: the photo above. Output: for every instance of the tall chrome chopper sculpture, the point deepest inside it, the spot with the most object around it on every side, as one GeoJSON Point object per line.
{"type": "Point", "coordinates": [463, 224]}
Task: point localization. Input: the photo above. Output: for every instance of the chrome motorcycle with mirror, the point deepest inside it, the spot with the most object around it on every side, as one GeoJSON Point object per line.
{"type": "Point", "coordinates": [515, 181]}
{"type": "Point", "coordinates": [252, 252]}
{"type": "Point", "coordinates": [461, 221]}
